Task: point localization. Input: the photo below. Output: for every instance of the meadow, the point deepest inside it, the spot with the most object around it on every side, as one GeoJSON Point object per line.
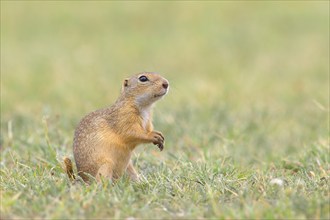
{"type": "Point", "coordinates": [246, 119]}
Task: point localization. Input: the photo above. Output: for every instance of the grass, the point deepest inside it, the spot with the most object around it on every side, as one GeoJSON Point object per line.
{"type": "Point", "coordinates": [246, 120]}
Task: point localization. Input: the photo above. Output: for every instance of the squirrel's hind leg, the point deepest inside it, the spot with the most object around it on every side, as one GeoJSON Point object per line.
{"type": "Point", "coordinates": [133, 175]}
{"type": "Point", "coordinates": [105, 171]}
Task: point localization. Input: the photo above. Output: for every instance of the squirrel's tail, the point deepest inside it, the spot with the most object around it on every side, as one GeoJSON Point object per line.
{"type": "Point", "coordinates": [69, 168]}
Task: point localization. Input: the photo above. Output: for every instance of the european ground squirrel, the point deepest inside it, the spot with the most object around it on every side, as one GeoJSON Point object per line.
{"type": "Point", "coordinates": [104, 139]}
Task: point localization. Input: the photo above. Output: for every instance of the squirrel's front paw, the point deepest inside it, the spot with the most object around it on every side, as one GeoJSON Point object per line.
{"type": "Point", "coordinates": [158, 139]}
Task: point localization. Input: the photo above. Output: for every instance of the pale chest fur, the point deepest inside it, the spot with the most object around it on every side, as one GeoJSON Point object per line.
{"type": "Point", "coordinates": [145, 116]}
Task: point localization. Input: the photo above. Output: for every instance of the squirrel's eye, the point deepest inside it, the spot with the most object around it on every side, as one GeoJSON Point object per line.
{"type": "Point", "coordinates": [143, 79]}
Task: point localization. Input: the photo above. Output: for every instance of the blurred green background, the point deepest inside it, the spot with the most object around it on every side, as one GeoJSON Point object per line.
{"type": "Point", "coordinates": [249, 80]}
{"type": "Point", "coordinates": [260, 61]}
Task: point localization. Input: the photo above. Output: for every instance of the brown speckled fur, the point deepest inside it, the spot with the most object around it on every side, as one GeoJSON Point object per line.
{"type": "Point", "coordinates": [104, 139]}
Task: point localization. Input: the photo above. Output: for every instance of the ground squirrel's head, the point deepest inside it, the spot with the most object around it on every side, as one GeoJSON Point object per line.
{"type": "Point", "coordinates": [145, 88]}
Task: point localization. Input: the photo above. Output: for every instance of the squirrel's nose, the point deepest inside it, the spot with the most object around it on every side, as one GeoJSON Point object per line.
{"type": "Point", "coordinates": [165, 85]}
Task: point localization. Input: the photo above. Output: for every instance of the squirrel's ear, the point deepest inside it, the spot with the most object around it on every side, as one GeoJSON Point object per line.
{"type": "Point", "coordinates": [125, 84]}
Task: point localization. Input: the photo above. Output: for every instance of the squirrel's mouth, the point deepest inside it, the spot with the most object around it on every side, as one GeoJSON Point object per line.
{"type": "Point", "coordinates": [160, 95]}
